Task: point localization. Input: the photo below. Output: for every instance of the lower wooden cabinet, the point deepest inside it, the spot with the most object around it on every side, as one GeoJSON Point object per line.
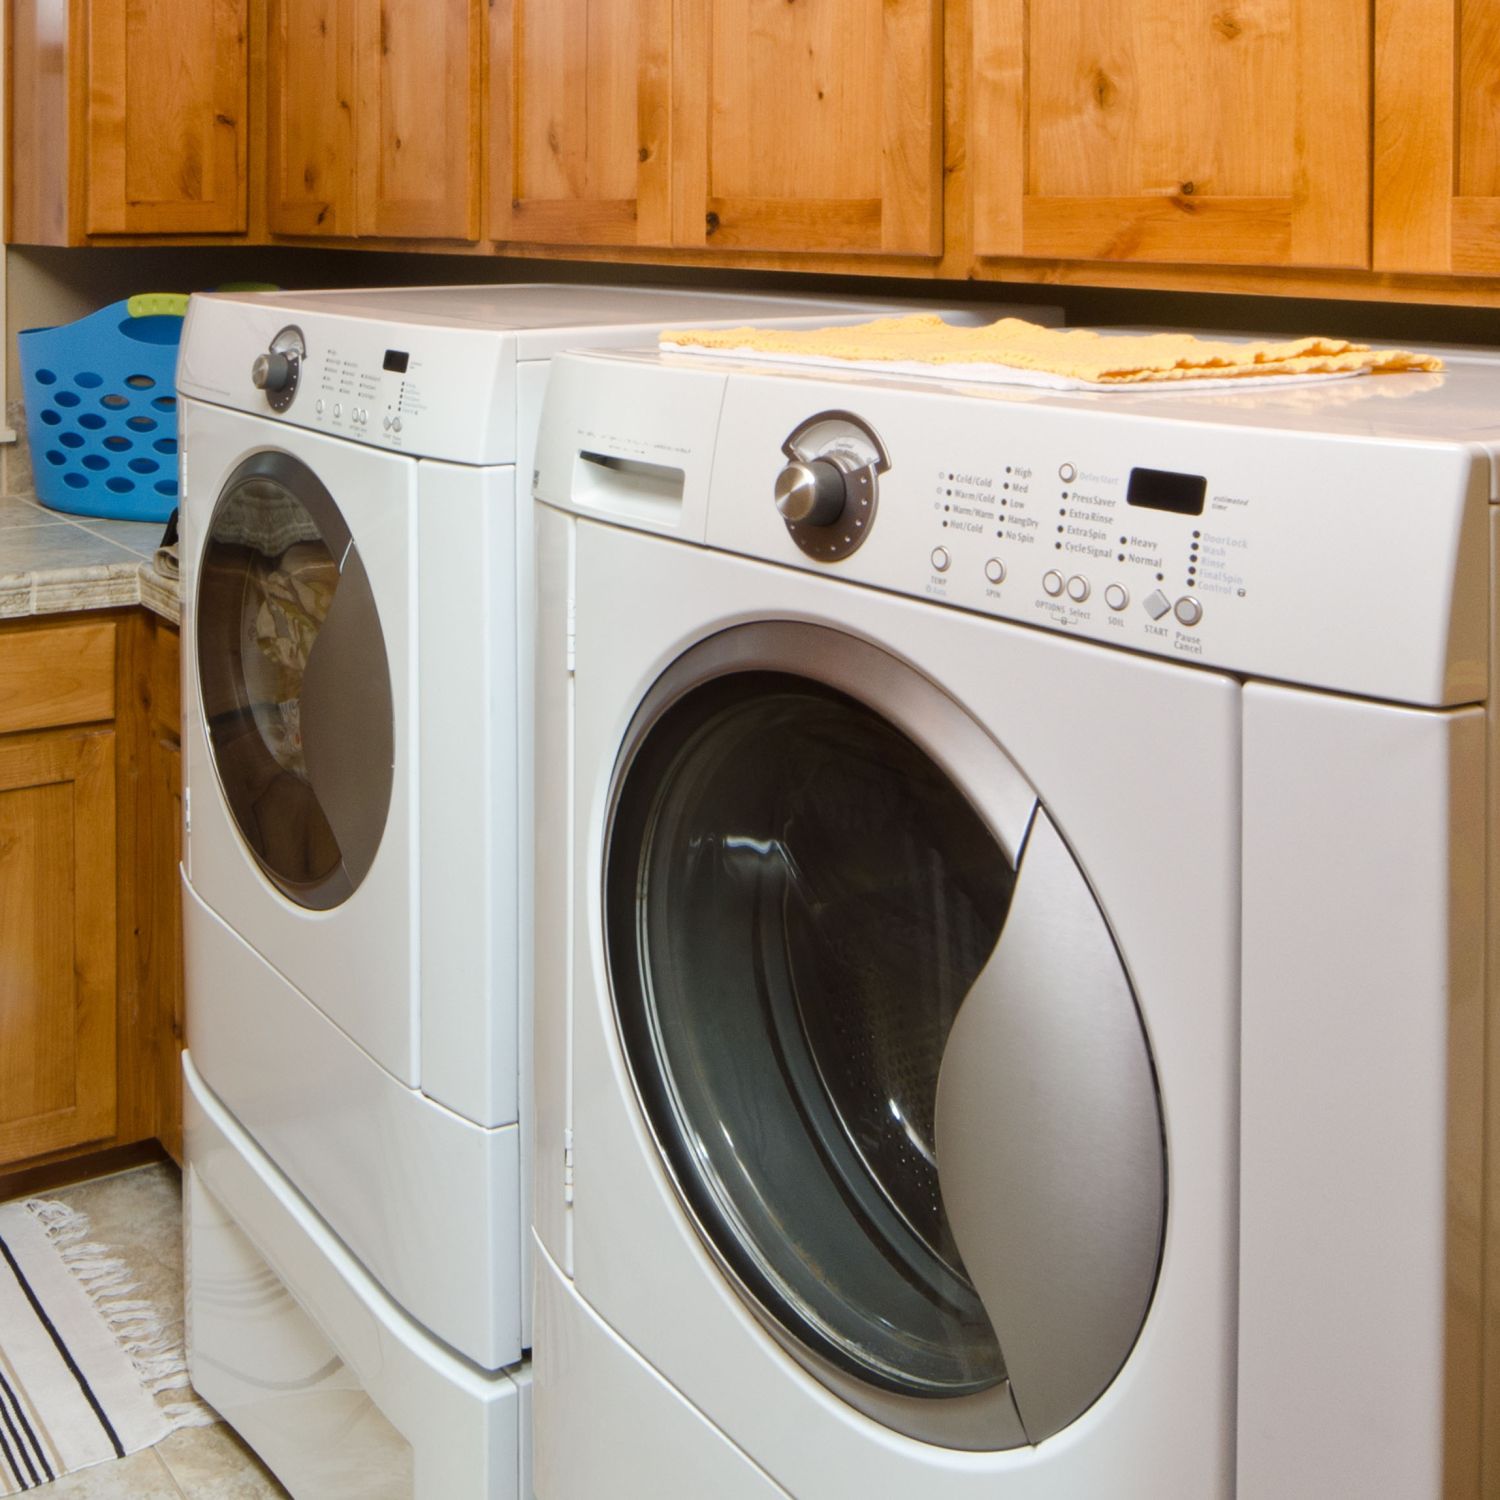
{"type": "Point", "coordinates": [90, 926]}
{"type": "Point", "coordinates": [57, 941]}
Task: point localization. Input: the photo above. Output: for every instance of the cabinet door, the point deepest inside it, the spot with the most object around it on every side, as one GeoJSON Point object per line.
{"type": "Point", "coordinates": [808, 125]}
{"type": "Point", "coordinates": [57, 934]}
{"type": "Point", "coordinates": [579, 122]}
{"type": "Point", "coordinates": [1171, 130]}
{"type": "Point", "coordinates": [166, 122]}
{"type": "Point", "coordinates": [419, 118]}
{"type": "Point", "coordinates": [310, 116]}
{"type": "Point", "coordinates": [1437, 136]}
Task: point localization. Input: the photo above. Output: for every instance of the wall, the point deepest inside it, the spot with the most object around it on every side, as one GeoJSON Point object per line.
{"type": "Point", "coordinates": [46, 286]}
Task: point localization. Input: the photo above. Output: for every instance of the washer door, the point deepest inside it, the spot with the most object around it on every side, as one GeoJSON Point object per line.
{"type": "Point", "coordinates": [882, 1036]}
{"type": "Point", "coordinates": [294, 680]}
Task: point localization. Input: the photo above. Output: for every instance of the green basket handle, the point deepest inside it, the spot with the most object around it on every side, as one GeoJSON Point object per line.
{"type": "Point", "coordinates": [158, 305]}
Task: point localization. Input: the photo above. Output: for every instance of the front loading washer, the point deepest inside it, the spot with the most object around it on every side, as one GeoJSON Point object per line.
{"type": "Point", "coordinates": [357, 589]}
{"type": "Point", "coordinates": [1011, 959]}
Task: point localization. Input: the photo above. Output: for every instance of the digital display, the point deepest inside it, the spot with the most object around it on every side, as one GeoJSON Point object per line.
{"type": "Point", "coordinates": [1161, 489]}
{"type": "Point", "coordinates": [395, 361]}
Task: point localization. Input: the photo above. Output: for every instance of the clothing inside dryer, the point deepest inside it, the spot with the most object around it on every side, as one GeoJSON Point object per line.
{"type": "Point", "coordinates": [799, 899]}
{"type": "Point", "coordinates": [278, 706]}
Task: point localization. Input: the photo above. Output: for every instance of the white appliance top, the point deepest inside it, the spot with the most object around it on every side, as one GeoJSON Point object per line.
{"type": "Point", "coordinates": [1335, 535]}
{"type": "Point", "coordinates": [432, 371]}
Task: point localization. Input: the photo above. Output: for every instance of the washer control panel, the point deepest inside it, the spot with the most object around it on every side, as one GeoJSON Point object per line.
{"type": "Point", "coordinates": [1259, 549]}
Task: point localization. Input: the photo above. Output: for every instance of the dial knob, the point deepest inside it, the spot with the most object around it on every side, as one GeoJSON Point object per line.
{"type": "Point", "coordinates": [811, 493]}
{"type": "Point", "coordinates": [271, 372]}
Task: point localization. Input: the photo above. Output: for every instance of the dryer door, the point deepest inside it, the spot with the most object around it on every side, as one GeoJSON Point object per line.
{"type": "Point", "coordinates": [294, 680]}
{"type": "Point", "coordinates": [882, 1036]}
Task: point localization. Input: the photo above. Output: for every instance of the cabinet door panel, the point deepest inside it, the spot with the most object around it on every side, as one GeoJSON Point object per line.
{"type": "Point", "coordinates": [579, 124]}
{"type": "Point", "coordinates": [310, 116]}
{"type": "Point", "coordinates": [419, 119]}
{"type": "Point", "coordinates": [1172, 130]}
{"type": "Point", "coordinates": [809, 126]}
{"type": "Point", "coordinates": [1437, 136]}
{"type": "Point", "coordinates": [57, 934]}
{"type": "Point", "coordinates": [166, 126]}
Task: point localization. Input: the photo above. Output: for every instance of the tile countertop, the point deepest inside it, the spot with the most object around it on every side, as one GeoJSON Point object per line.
{"type": "Point", "coordinates": [52, 563]}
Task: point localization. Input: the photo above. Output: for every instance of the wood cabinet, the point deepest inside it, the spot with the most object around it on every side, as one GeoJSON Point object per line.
{"type": "Point", "coordinates": [794, 125]}
{"type": "Point", "coordinates": [579, 121]}
{"type": "Point", "coordinates": [1192, 131]}
{"type": "Point", "coordinates": [374, 118]}
{"type": "Point", "coordinates": [1437, 137]}
{"type": "Point", "coordinates": [1307, 147]}
{"type": "Point", "coordinates": [418, 120]}
{"type": "Point", "coordinates": [90, 934]}
{"type": "Point", "coordinates": [310, 98]}
{"type": "Point", "coordinates": [128, 117]}
{"type": "Point", "coordinates": [808, 125]}
{"type": "Point", "coordinates": [57, 889]}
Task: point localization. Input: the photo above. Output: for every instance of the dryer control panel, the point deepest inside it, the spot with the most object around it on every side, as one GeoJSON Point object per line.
{"type": "Point", "coordinates": [431, 392]}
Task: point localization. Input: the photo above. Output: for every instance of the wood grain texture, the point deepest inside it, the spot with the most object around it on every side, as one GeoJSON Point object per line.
{"type": "Point", "coordinates": [43, 46]}
{"type": "Point", "coordinates": [1478, 144]}
{"type": "Point", "coordinates": [310, 56]}
{"type": "Point", "coordinates": [57, 930]}
{"type": "Point", "coordinates": [149, 781]}
{"type": "Point", "coordinates": [133, 847]}
{"type": "Point", "coordinates": [834, 103]}
{"type": "Point", "coordinates": [57, 675]}
{"type": "Point", "coordinates": [1177, 123]}
{"type": "Point", "coordinates": [167, 119]}
{"type": "Point", "coordinates": [580, 121]}
{"type": "Point", "coordinates": [1437, 137]}
{"type": "Point", "coordinates": [419, 69]}
{"type": "Point", "coordinates": [1415, 92]}
{"type": "Point", "coordinates": [1163, 227]}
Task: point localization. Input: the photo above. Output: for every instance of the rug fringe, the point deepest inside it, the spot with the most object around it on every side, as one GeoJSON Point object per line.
{"type": "Point", "coordinates": [152, 1342]}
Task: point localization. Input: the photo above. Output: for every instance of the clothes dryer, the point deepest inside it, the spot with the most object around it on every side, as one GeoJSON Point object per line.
{"type": "Point", "coordinates": [357, 589]}
{"type": "Point", "coordinates": [1011, 967]}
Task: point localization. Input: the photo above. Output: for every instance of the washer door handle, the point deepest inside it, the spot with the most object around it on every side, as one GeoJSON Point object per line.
{"type": "Point", "coordinates": [1050, 1144]}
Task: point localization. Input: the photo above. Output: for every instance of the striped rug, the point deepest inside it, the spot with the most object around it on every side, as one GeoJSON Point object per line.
{"type": "Point", "coordinates": [85, 1370]}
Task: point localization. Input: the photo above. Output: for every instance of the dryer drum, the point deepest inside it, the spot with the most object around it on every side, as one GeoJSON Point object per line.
{"type": "Point", "coordinates": [294, 680]}
{"type": "Point", "coordinates": [868, 1090]}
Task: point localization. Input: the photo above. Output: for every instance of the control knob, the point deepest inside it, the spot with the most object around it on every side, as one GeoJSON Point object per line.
{"type": "Point", "coordinates": [271, 372]}
{"type": "Point", "coordinates": [275, 372]}
{"type": "Point", "coordinates": [811, 492]}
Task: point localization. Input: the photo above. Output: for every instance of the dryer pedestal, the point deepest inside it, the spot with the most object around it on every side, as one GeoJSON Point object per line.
{"type": "Point", "coordinates": [337, 1390]}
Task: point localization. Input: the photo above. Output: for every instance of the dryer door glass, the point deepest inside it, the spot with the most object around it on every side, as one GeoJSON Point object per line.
{"type": "Point", "coordinates": [294, 680]}
{"type": "Point", "coordinates": [806, 919]}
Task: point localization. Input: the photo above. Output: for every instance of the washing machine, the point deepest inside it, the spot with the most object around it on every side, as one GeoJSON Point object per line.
{"type": "Point", "coordinates": [1012, 947]}
{"type": "Point", "coordinates": [357, 592]}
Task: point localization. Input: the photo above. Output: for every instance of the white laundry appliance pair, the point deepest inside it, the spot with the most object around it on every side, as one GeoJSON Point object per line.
{"type": "Point", "coordinates": [357, 597]}
{"type": "Point", "coordinates": [1013, 937]}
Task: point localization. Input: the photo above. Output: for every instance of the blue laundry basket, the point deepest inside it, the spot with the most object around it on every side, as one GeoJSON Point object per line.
{"type": "Point", "coordinates": [101, 409]}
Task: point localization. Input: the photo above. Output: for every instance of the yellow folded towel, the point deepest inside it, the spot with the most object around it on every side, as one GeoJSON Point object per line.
{"type": "Point", "coordinates": [1076, 353]}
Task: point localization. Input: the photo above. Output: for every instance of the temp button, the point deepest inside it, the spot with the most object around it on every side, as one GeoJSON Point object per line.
{"type": "Point", "coordinates": [1188, 611]}
{"type": "Point", "coordinates": [940, 559]}
{"type": "Point", "coordinates": [1052, 583]}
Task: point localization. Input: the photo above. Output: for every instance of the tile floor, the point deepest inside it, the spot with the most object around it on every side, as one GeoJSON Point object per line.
{"type": "Point", "coordinates": [138, 1214]}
